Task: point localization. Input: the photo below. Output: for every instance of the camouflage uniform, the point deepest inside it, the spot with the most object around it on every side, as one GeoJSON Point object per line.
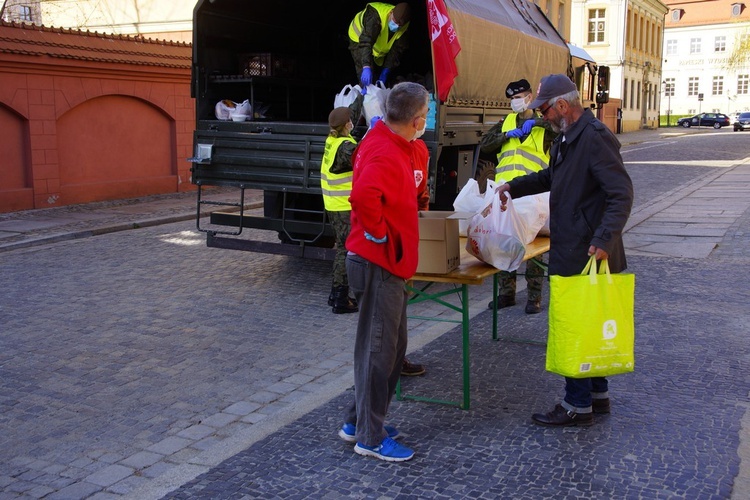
{"type": "Point", "coordinates": [534, 281]}
{"type": "Point", "coordinates": [362, 50]}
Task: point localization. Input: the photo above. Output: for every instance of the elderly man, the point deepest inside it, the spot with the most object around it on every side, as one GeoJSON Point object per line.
{"type": "Point", "coordinates": [591, 196]}
{"type": "Point", "coordinates": [383, 252]}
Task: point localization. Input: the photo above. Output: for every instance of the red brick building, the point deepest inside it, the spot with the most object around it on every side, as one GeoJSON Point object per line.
{"type": "Point", "coordinates": [89, 117]}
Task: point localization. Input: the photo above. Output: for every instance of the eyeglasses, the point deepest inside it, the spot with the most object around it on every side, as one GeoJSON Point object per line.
{"type": "Point", "coordinates": [543, 111]}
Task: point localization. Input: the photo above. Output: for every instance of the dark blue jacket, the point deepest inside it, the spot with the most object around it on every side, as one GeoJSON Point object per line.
{"type": "Point", "coordinates": [591, 195]}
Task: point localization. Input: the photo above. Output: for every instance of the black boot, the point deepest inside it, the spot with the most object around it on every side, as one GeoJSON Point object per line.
{"type": "Point", "coordinates": [342, 303]}
{"type": "Point", "coordinates": [331, 295]}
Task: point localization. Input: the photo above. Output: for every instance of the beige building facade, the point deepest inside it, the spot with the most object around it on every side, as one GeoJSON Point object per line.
{"type": "Point", "coordinates": [706, 68]}
{"type": "Point", "coordinates": [626, 36]}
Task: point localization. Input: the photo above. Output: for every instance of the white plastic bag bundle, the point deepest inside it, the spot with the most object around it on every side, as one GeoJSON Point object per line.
{"type": "Point", "coordinates": [224, 109]}
{"type": "Point", "coordinates": [534, 210]}
{"type": "Point", "coordinates": [347, 96]}
{"type": "Point", "coordinates": [496, 237]}
{"type": "Point", "coordinates": [471, 200]}
{"type": "Point", "coordinates": [374, 101]}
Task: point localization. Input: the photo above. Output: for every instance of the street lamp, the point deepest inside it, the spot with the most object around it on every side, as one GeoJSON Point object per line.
{"type": "Point", "coordinates": [669, 99]}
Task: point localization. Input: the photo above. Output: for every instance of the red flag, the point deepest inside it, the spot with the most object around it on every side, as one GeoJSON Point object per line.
{"type": "Point", "coordinates": [445, 47]}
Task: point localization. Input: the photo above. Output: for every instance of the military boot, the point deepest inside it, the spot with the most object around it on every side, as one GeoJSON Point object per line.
{"type": "Point", "coordinates": [342, 303]}
{"type": "Point", "coordinates": [331, 295]}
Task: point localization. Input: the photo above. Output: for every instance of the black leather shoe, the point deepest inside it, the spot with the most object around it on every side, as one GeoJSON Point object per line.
{"type": "Point", "coordinates": [503, 301]}
{"type": "Point", "coordinates": [409, 369]}
{"type": "Point", "coordinates": [560, 417]}
{"type": "Point", "coordinates": [533, 306]}
{"type": "Point", "coordinates": [600, 405]}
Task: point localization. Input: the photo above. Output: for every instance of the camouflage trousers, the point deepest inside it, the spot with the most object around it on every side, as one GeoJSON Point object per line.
{"type": "Point", "coordinates": [534, 281]}
{"type": "Point", "coordinates": [341, 226]}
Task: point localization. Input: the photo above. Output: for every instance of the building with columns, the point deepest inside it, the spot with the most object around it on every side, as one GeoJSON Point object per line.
{"type": "Point", "coordinates": [626, 36]}
{"type": "Point", "coordinates": [705, 66]}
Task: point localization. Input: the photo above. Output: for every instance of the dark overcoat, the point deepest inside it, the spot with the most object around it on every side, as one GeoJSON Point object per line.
{"type": "Point", "coordinates": [591, 195]}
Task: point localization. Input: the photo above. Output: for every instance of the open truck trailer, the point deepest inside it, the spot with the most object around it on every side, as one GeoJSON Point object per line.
{"type": "Point", "coordinates": [290, 58]}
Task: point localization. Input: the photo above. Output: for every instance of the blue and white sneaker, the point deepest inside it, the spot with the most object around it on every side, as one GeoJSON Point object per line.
{"type": "Point", "coordinates": [389, 450]}
{"type": "Point", "coordinates": [348, 431]}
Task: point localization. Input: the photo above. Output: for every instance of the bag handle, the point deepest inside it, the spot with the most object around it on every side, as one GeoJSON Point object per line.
{"type": "Point", "coordinates": [604, 269]}
{"type": "Point", "coordinates": [590, 269]}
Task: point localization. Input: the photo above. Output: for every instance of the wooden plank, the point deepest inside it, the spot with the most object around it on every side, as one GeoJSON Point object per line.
{"type": "Point", "coordinates": [472, 271]}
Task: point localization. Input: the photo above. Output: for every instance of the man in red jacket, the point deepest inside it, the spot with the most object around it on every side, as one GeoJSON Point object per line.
{"type": "Point", "coordinates": [383, 250]}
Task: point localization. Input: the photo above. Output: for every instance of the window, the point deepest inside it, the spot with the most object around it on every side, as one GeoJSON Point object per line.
{"type": "Point", "coordinates": [695, 45]}
{"type": "Point", "coordinates": [25, 13]}
{"type": "Point", "coordinates": [693, 85]}
{"type": "Point", "coordinates": [743, 81]}
{"type": "Point", "coordinates": [737, 9]}
{"type": "Point", "coordinates": [717, 86]}
{"type": "Point", "coordinates": [625, 94]}
{"type": "Point", "coordinates": [596, 25]}
{"type": "Point", "coordinates": [676, 15]}
{"type": "Point", "coordinates": [671, 47]}
{"type": "Point", "coordinates": [638, 97]}
{"type": "Point", "coordinates": [632, 92]}
{"type": "Point", "coordinates": [669, 87]}
{"type": "Point", "coordinates": [720, 44]}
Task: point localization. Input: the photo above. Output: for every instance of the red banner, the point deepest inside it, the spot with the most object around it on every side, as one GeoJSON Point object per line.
{"type": "Point", "coordinates": [445, 47]}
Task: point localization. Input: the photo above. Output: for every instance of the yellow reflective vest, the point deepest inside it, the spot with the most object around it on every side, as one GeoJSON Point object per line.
{"type": "Point", "coordinates": [516, 157]}
{"type": "Point", "coordinates": [384, 42]}
{"type": "Point", "coordinates": [336, 187]}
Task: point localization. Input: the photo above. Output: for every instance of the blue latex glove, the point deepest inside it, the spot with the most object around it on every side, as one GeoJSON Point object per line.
{"type": "Point", "coordinates": [384, 75]}
{"type": "Point", "coordinates": [374, 120]}
{"type": "Point", "coordinates": [365, 79]}
{"type": "Point", "coordinates": [527, 126]}
{"type": "Point", "coordinates": [516, 132]}
{"type": "Point", "coordinates": [374, 239]}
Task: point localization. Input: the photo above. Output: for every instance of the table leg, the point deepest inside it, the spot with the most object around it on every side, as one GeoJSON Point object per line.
{"type": "Point", "coordinates": [495, 287]}
{"type": "Point", "coordinates": [466, 359]}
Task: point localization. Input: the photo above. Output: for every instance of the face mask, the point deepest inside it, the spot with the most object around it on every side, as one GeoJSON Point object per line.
{"type": "Point", "coordinates": [393, 26]}
{"type": "Point", "coordinates": [419, 133]}
{"type": "Point", "coordinates": [519, 104]}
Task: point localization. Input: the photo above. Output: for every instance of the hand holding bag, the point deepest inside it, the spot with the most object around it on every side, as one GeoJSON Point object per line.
{"type": "Point", "coordinates": [591, 327]}
{"type": "Point", "coordinates": [374, 101]}
{"type": "Point", "coordinates": [495, 236]}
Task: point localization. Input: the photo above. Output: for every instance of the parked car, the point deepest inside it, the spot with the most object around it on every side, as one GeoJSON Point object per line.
{"type": "Point", "coordinates": [743, 122]}
{"type": "Point", "coordinates": [715, 120]}
{"type": "Point", "coordinates": [734, 116]}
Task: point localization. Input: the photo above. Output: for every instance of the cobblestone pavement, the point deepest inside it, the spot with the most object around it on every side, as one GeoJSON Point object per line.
{"type": "Point", "coordinates": [149, 365]}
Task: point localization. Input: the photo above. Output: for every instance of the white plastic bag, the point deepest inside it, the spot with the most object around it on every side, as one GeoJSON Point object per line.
{"type": "Point", "coordinates": [225, 109]}
{"type": "Point", "coordinates": [471, 200]}
{"type": "Point", "coordinates": [495, 237]}
{"type": "Point", "coordinates": [534, 210]}
{"type": "Point", "coordinates": [347, 96]}
{"type": "Point", "coordinates": [374, 102]}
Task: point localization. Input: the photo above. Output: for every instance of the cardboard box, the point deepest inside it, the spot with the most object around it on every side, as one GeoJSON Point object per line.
{"type": "Point", "coordinates": [439, 250]}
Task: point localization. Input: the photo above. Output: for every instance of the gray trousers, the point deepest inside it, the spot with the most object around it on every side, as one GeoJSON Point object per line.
{"type": "Point", "coordinates": [379, 347]}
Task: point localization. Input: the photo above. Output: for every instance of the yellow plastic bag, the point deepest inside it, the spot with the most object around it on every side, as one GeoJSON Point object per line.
{"type": "Point", "coordinates": [591, 328]}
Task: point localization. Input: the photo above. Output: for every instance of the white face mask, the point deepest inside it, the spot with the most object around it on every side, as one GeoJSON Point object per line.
{"type": "Point", "coordinates": [419, 133]}
{"type": "Point", "coordinates": [520, 104]}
